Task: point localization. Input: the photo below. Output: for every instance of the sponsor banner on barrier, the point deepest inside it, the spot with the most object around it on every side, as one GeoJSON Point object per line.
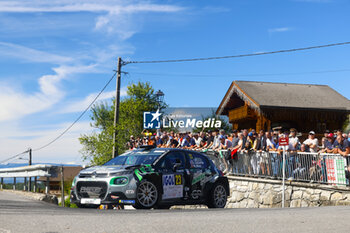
{"type": "Point", "coordinates": [172, 186]}
{"type": "Point", "coordinates": [336, 171]}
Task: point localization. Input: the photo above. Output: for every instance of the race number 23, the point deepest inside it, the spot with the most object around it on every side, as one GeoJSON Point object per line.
{"type": "Point", "coordinates": [178, 180]}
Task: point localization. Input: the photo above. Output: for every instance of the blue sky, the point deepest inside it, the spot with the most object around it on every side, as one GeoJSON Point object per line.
{"type": "Point", "coordinates": [56, 55]}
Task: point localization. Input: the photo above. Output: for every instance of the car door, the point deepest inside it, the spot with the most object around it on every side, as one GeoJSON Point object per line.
{"type": "Point", "coordinates": [172, 180]}
{"type": "Point", "coordinates": [200, 174]}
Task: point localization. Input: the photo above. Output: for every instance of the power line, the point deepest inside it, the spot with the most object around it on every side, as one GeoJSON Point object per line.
{"type": "Point", "coordinates": [240, 75]}
{"type": "Point", "coordinates": [237, 56]}
{"type": "Point", "coordinates": [13, 157]}
{"type": "Point", "coordinates": [81, 115]}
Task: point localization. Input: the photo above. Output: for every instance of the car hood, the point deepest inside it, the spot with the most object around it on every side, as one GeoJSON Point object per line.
{"type": "Point", "coordinates": [104, 170]}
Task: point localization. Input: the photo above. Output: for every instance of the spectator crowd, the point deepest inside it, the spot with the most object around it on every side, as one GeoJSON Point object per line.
{"type": "Point", "coordinates": [335, 142]}
{"type": "Point", "coordinates": [235, 149]}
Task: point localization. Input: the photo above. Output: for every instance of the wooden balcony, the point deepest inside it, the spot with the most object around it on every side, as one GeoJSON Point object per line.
{"type": "Point", "coordinates": [241, 113]}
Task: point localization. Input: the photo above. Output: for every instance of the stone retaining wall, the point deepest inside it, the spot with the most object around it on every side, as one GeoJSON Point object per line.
{"type": "Point", "coordinates": [264, 193]}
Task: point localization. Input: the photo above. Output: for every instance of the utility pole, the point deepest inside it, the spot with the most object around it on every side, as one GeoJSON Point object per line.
{"type": "Point", "coordinates": [62, 187]}
{"type": "Point", "coordinates": [116, 108]}
{"type": "Point", "coordinates": [30, 156]}
{"type": "Point", "coordinates": [30, 163]}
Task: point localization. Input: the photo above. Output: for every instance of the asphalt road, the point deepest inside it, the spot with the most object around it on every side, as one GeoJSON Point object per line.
{"type": "Point", "coordinates": [18, 214]}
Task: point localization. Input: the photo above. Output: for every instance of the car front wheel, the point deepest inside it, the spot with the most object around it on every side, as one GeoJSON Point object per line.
{"type": "Point", "coordinates": [218, 196]}
{"type": "Point", "coordinates": [147, 195]}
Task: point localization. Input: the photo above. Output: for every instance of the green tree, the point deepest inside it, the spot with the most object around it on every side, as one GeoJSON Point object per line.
{"type": "Point", "coordinates": [98, 145]}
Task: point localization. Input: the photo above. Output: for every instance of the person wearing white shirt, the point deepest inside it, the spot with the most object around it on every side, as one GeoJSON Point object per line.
{"type": "Point", "coordinates": [312, 142]}
{"type": "Point", "coordinates": [293, 140]}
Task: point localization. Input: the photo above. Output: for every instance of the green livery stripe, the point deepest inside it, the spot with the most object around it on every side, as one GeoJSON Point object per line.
{"type": "Point", "coordinates": [198, 178]}
{"type": "Point", "coordinates": [137, 173]}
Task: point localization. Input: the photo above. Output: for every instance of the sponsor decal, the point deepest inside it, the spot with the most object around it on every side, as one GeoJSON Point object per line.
{"type": "Point", "coordinates": [90, 189]}
{"type": "Point", "coordinates": [197, 163]}
{"type": "Point", "coordinates": [168, 180]}
{"type": "Point", "coordinates": [130, 191]}
{"type": "Point", "coordinates": [178, 180]}
{"type": "Point", "coordinates": [172, 186]}
{"type": "Point", "coordinates": [145, 169]}
{"type": "Point", "coordinates": [198, 177]}
{"type": "Point", "coordinates": [196, 194]}
{"type": "Point", "coordinates": [126, 201]}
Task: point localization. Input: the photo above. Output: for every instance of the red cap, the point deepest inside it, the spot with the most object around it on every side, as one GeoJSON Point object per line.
{"type": "Point", "coordinates": [330, 135]}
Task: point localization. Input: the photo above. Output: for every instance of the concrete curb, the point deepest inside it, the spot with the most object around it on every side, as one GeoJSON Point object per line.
{"type": "Point", "coordinates": [52, 199]}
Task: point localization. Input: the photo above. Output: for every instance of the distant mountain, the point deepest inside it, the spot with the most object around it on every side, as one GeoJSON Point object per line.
{"type": "Point", "coordinates": [9, 165]}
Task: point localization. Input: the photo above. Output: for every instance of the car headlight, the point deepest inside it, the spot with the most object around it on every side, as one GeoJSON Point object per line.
{"type": "Point", "coordinates": [119, 181]}
{"type": "Point", "coordinates": [73, 182]}
{"type": "Point", "coordinates": [122, 173]}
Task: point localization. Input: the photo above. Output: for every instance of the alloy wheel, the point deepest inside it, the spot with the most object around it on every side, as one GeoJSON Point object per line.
{"type": "Point", "coordinates": [220, 196]}
{"type": "Point", "coordinates": [147, 194]}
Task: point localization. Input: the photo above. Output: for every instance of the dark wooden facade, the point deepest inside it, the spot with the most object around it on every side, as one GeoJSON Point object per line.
{"type": "Point", "coordinates": [263, 112]}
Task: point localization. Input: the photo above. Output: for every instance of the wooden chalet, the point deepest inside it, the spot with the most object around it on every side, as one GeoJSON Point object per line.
{"type": "Point", "coordinates": [69, 172]}
{"type": "Point", "coordinates": [264, 105]}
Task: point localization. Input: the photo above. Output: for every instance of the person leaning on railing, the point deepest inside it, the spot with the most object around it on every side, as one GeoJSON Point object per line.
{"type": "Point", "coordinates": [342, 147]}
{"type": "Point", "coordinates": [328, 144]}
{"type": "Point", "coordinates": [312, 142]}
{"type": "Point", "coordinates": [225, 144]}
{"type": "Point", "coordinates": [261, 147]}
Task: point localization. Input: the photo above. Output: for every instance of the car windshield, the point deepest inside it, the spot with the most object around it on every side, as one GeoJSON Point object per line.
{"type": "Point", "coordinates": [135, 158]}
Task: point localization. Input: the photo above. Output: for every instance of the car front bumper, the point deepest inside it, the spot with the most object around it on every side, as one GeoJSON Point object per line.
{"type": "Point", "coordinates": [97, 191]}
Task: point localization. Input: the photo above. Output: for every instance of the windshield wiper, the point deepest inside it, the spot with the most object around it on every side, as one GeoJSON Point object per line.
{"type": "Point", "coordinates": [132, 166]}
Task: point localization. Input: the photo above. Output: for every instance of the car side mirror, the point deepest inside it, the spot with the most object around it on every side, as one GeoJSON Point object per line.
{"type": "Point", "coordinates": [177, 165]}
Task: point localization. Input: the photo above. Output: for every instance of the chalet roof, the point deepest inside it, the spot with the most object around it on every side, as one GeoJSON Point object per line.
{"type": "Point", "coordinates": [285, 95]}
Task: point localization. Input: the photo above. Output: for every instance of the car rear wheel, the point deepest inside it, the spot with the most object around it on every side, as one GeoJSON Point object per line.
{"type": "Point", "coordinates": [218, 196]}
{"type": "Point", "coordinates": [147, 195]}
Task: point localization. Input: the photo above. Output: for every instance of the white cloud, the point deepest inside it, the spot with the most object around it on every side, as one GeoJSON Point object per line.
{"type": "Point", "coordinates": [76, 6]}
{"type": "Point", "coordinates": [282, 29]}
{"type": "Point", "coordinates": [81, 105]}
{"type": "Point", "coordinates": [16, 104]}
{"type": "Point", "coordinates": [30, 55]}
{"type": "Point", "coordinates": [114, 16]}
{"type": "Point", "coordinates": [110, 17]}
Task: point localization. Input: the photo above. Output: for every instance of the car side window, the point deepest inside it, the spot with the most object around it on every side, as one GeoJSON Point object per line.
{"type": "Point", "coordinates": [198, 161]}
{"type": "Point", "coordinates": [170, 159]}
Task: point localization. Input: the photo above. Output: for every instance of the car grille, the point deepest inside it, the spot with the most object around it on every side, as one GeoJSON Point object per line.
{"type": "Point", "coordinates": [93, 175]}
{"type": "Point", "coordinates": [91, 189]}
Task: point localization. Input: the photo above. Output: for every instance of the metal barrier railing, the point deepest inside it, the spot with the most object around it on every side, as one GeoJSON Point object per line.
{"type": "Point", "coordinates": [28, 172]}
{"type": "Point", "coordinates": [306, 167]}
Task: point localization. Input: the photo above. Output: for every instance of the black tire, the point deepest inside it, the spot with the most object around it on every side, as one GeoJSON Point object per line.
{"type": "Point", "coordinates": [162, 207]}
{"type": "Point", "coordinates": [147, 195]}
{"type": "Point", "coordinates": [87, 206]}
{"type": "Point", "coordinates": [218, 196]}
